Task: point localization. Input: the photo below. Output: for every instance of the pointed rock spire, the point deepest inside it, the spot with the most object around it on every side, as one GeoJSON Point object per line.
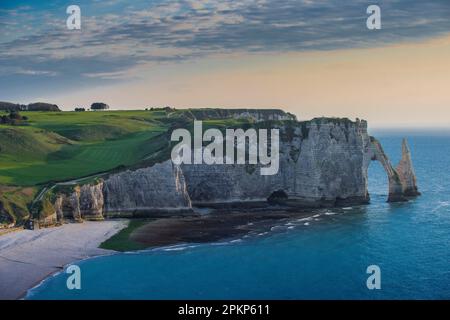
{"type": "Point", "coordinates": [406, 172]}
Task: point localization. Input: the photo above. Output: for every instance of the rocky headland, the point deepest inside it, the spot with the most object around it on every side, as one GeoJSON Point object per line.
{"type": "Point", "coordinates": [323, 163]}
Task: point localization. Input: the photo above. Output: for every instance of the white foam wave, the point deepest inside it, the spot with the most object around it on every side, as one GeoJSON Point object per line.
{"type": "Point", "coordinates": [441, 204]}
{"type": "Point", "coordinates": [176, 249]}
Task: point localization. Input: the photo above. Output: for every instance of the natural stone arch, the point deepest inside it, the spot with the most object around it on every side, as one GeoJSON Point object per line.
{"type": "Point", "coordinates": [402, 180]}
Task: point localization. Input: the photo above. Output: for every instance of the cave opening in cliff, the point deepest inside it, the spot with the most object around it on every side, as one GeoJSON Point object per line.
{"type": "Point", "coordinates": [278, 197]}
{"type": "Point", "coordinates": [378, 182]}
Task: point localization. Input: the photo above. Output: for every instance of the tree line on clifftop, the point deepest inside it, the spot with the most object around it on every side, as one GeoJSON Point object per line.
{"type": "Point", "coordinates": [42, 106]}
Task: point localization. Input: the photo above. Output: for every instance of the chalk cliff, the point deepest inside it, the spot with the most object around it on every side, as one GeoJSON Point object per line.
{"type": "Point", "coordinates": [160, 188]}
{"type": "Point", "coordinates": [323, 162]}
{"type": "Point", "coordinates": [85, 202]}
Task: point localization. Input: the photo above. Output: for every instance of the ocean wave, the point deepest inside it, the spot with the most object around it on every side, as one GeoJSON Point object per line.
{"type": "Point", "coordinates": [304, 219]}
{"type": "Point", "coordinates": [275, 228]}
{"type": "Point", "coordinates": [441, 204]}
{"type": "Point", "coordinates": [176, 249]}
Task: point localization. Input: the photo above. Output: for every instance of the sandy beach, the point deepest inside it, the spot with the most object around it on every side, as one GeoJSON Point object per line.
{"type": "Point", "coordinates": [27, 257]}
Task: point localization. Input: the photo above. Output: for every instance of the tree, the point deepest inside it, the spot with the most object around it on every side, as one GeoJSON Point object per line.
{"type": "Point", "coordinates": [14, 118]}
{"type": "Point", "coordinates": [42, 106]}
{"type": "Point", "coordinates": [80, 109]}
{"type": "Point", "coordinates": [99, 106]}
{"type": "Point", "coordinates": [15, 115]}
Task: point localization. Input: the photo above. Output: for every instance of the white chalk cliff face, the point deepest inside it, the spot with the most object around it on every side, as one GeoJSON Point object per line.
{"type": "Point", "coordinates": [159, 188]}
{"type": "Point", "coordinates": [323, 162]}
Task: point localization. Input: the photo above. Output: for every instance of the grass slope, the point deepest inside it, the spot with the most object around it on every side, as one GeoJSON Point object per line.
{"type": "Point", "coordinates": [121, 241]}
{"type": "Point", "coordinates": [68, 145]}
{"type": "Point", "coordinates": [14, 204]}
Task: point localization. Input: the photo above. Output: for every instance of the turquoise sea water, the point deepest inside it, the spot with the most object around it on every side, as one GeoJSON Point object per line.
{"type": "Point", "coordinates": [324, 257]}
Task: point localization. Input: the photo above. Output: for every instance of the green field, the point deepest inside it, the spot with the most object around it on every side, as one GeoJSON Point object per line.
{"type": "Point", "coordinates": [122, 242]}
{"type": "Point", "coordinates": [58, 146]}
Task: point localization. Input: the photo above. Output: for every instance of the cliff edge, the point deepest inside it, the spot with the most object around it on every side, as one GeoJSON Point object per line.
{"type": "Point", "coordinates": [323, 163]}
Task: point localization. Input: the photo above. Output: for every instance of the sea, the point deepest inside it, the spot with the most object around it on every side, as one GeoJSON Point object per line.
{"type": "Point", "coordinates": [326, 256]}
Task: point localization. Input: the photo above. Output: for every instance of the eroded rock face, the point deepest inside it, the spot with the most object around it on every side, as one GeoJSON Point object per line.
{"type": "Point", "coordinates": [84, 203]}
{"type": "Point", "coordinates": [323, 162]}
{"type": "Point", "coordinates": [156, 189]}
{"type": "Point", "coordinates": [58, 207]}
{"type": "Point", "coordinates": [91, 201]}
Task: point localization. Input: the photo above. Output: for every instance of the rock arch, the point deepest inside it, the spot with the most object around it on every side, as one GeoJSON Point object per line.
{"type": "Point", "coordinates": [402, 179]}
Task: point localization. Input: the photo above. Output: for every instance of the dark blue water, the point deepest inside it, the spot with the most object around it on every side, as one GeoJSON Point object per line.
{"type": "Point", "coordinates": [321, 258]}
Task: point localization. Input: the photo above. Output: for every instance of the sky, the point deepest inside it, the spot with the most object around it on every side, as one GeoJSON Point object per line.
{"type": "Point", "coordinates": [311, 58]}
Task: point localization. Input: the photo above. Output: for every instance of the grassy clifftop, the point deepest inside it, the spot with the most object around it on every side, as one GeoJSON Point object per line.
{"type": "Point", "coordinates": [68, 145]}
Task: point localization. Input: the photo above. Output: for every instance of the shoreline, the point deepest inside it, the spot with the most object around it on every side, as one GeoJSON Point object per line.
{"type": "Point", "coordinates": [29, 257]}
{"type": "Point", "coordinates": [22, 274]}
{"type": "Point", "coordinates": [57, 272]}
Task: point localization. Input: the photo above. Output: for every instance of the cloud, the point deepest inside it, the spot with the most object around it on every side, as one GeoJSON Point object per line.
{"type": "Point", "coordinates": [117, 37]}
